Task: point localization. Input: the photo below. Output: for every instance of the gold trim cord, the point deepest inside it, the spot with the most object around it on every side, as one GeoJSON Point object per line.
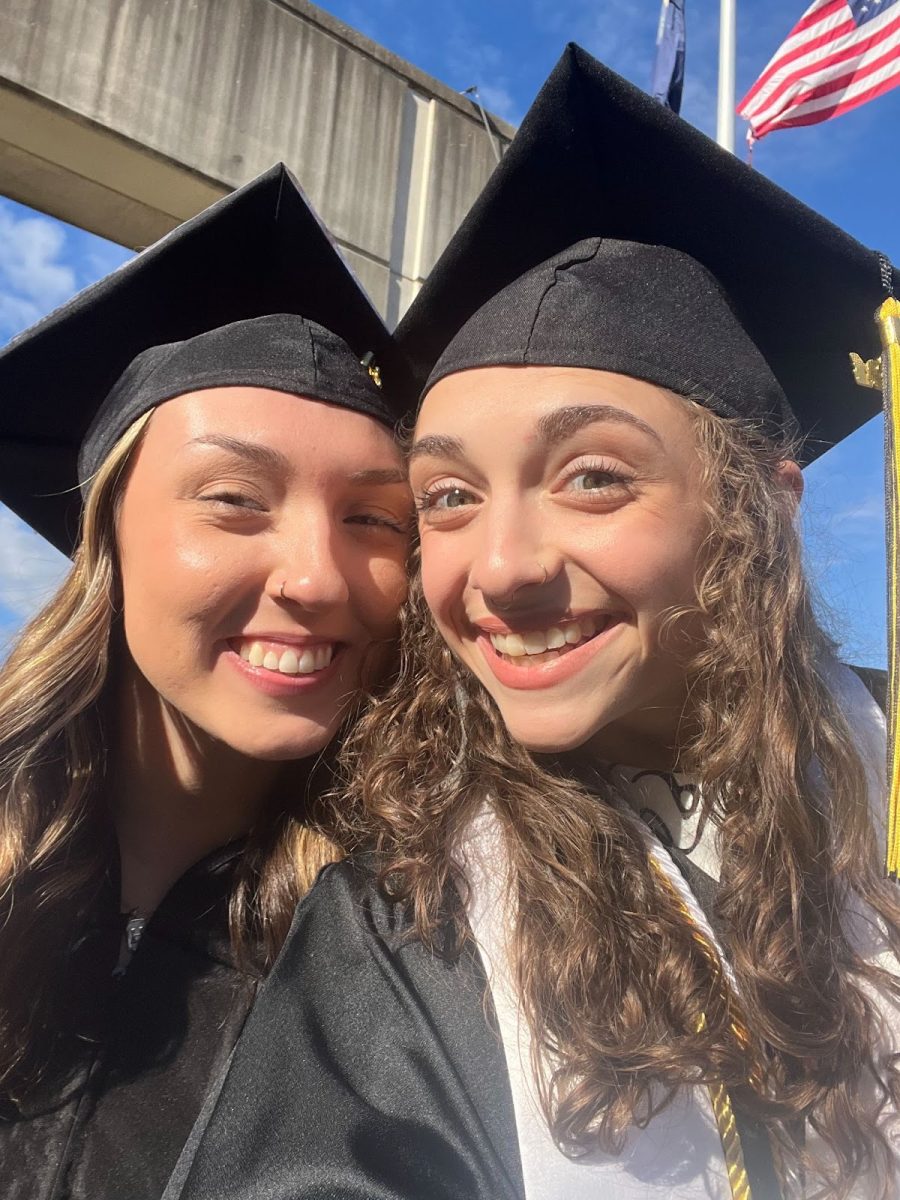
{"type": "Point", "coordinates": [720, 1101]}
{"type": "Point", "coordinates": [888, 318]}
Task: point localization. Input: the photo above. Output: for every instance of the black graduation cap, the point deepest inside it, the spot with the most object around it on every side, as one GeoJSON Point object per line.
{"type": "Point", "coordinates": [252, 291]}
{"type": "Point", "coordinates": [779, 300]}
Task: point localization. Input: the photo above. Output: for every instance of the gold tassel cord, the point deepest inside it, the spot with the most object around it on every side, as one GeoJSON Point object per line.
{"type": "Point", "coordinates": [732, 1149]}
{"type": "Point", "coordinates": [720, 1101]}
{"type": "Point", "coordinates": [888, 319]}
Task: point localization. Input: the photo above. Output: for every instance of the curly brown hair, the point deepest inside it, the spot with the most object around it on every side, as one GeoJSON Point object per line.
{"type": "Point", "coordinates": [612, 981]}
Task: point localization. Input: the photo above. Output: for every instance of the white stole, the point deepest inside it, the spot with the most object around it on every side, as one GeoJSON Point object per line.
{"type": "Point", "coordinates": [679, 1155]}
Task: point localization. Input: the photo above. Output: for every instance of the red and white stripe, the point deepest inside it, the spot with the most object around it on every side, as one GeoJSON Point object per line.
{"type": "Point", "coordinates": [827, 66]}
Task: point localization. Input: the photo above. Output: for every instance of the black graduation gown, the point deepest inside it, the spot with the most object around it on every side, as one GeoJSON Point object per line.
{"type": "Point", "coordinates": [369, 1069]}
{"type": "Point", "coordinates": [146, 1049]}
{"type": "Point", "coordinates": [366, 1071]}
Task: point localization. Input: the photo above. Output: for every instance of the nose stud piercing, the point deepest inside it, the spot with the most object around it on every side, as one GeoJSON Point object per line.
{"type": "Point", "coordinates": [521, 585]}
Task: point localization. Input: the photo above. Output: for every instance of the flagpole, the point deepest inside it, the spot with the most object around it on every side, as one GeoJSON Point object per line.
{"type": "Point", "coordinates": [727, 53]}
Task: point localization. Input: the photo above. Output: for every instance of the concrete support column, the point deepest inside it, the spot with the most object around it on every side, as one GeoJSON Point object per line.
{"type": "Point", "coordinates": [128, 116]}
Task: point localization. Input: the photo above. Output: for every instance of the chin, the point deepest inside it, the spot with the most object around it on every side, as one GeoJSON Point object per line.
{"type": "Point", "coordinates": [268, 745]}
{"type": "Point", "coordinates": [541, 735]}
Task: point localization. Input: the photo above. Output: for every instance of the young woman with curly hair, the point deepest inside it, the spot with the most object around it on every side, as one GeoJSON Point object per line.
{"type": "Point", "coordinates": [164, 720]}
{"type": "Point", "coordinates": [621, 767]}
{"type": "Point", "coordinates": [621, 730]}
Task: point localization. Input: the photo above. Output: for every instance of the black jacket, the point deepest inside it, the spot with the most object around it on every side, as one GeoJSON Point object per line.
{"type": "Point", "coordinates": [369, 1069]}
{"type": "Point", "coordinates": [366, 1071]}
{"type": "Point", "coordinates": [142, 1050]}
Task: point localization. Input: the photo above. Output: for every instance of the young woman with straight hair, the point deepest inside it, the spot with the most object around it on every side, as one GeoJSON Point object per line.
{"type": "Point", "coordinates": [166, 719]}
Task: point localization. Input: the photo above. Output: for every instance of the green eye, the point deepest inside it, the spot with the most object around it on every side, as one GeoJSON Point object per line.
{"type": "Point", "coordinates": [455, 498]}
{"type": "Point", "coordinates": [444, 499]}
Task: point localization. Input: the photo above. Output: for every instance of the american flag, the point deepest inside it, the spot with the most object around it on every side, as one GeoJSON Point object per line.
{"type": "Point", "coordinates": [839, 55]}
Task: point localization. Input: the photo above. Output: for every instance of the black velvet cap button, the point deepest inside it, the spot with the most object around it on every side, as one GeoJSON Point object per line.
{"type": "Point", "coordinates": [251, 292]}
{"type": "Point", "coordinates": [597, 158]}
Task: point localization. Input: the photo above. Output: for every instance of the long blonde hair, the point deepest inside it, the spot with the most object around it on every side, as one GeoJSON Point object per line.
{"type": "Point", "coordinates": [614, 1004]}
{"type": "Point", "coordinates": [56, 836]}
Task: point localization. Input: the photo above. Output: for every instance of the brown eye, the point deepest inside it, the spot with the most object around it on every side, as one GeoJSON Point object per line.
{"type": "Point", "coordinates": [593, 481]}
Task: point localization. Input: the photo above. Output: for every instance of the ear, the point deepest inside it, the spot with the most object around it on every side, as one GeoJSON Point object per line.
{"type": "Point", "coordinates": [791, 479]}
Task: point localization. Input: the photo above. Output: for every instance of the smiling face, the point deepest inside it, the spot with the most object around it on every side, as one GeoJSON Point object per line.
{"type": "Point", "coordinates": [262, 544]}
{"type": "Point", "coordinates": [560, 521]}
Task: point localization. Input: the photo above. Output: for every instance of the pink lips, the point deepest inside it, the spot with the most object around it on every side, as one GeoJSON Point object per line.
{"type": "Point", "coordinates": [544, 674]}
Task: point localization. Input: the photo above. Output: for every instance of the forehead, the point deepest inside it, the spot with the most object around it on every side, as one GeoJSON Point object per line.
{"type": "Point", "coordinates": [298, 427]}
{"type": "Point", "coordinates": [524, 397]}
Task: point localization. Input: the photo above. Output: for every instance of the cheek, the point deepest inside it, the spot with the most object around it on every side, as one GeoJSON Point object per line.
{"type": "Point", "coordinates": [175, 586]}
{"type": "Point", "coordinates": [381, 592]}
{"type": "Point", "coordinates": [648, 562]}
{"type": "Point", "coordinates": [444, 573]}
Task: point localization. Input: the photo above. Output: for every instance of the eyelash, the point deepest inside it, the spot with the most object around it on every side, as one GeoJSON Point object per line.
{"type": "Point", "coordinates": [233, 500]}
{"type": "Point", "coordinates": [247, 504]}
{"type": "Point", "coordinates": [617, 477]}
{"type": "Point", "coordinates": [426, 501]}
{"type": "Point", "coordinates": [369, 520]}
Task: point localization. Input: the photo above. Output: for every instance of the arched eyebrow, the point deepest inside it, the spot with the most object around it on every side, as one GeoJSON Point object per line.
{"type": "Point", "coordinates": [266, 457]}
{"type": "Point", "coordinates": [436, 445]}
{"type": "Point", "coordinates": [553, 427]}
{"type": "Point", "coordinates": [378, 476]}
{"type": "Point", "coordinates": [271, 459]}
{"type": "Point", "coordinates": [562, 423]}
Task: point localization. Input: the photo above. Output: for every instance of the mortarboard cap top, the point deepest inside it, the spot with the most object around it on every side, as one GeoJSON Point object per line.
{"type": "Point", "coordinates": [250, 292]}
{"type": "Point", "coordinates": [596, 157]}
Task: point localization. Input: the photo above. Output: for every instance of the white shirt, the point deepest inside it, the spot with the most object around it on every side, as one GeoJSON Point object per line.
{"type": "Point", "coordinates": [679, 1155]}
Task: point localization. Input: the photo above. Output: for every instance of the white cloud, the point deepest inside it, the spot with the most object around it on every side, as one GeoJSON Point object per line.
{"type": "Point", "coordinates": [16, 313]}
{"type": "Point", "coordinates": [479, 64]}
{"type": "Point", "coordinates": [499, 100]}
{"type": "Point", "coordinates": [34, 278]}
{"type": "Point", "coordinates": [30, 568]}
{"type": "Point", "coordinates": [865, 516]}
{"type": "Point", "coordinates": [620, 33]}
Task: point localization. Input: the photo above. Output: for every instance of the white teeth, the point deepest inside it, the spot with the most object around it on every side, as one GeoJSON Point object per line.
{"type": "Point", "coordinates": [515, 646]}
{"type": "Point", "coordinates": [556, 639]}
{"type": "Point", "coordinates": [306, 663]}
{"type": "Point", "coordinates": [323, 657]}
{"type": "Point", "coordinates": [287, 664]}
{"type": "Point", "coordinates": [534, 643]}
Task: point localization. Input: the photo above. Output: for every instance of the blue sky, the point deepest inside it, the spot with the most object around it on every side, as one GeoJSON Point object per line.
{"type": "Point", "coordinates": [848, 169]}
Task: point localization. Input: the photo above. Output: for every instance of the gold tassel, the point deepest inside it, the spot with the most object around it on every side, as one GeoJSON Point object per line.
{"type": "Point", "coordinates": [720, 1101]}
{"type": "Point", "coordinates": [888, 319]}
